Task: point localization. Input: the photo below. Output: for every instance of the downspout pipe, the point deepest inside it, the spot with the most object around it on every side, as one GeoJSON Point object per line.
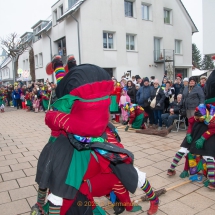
{"type": "Point", "coordinates": [79, 47]}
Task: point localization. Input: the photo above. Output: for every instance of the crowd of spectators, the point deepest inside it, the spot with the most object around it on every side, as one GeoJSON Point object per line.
{"type": "Point", "coordinates": [33, 97]}
{"type": "Point", "coordinates": [173, 99]}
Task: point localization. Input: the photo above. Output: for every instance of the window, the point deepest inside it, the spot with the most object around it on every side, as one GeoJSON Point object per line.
{"type": "Point", "coordinates": [108, 40]}
{"type": "Point", "coordinates": [178, 47]}
{"type": "Point", "coordinates": [61, 10]}
{"type": "Point", "coordinates": [167, 16]}
{"type": "Point", "coordinates": [145, 11]}
{"type": "Point", "coordinates": [71, 3]}
{"type": "Point", "coordinates": [40, 60]}
{"type": "Point", "coordinates": [130, 42]}
{"type": "Point", "coordinates": [128, 8]}
{"type": "Point", "coordinates": [26, 64]}
{"type": "Point", "coordinates": [36, 61]}
{"type": "Point", "coordinates": [55, 17]}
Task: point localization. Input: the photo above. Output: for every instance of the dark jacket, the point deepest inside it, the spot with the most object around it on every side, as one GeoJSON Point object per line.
{"type": "Point", "coordinates": [159, 98]}
{"type": "Point", "coordinates": [193, 98]}
{"type": "Point", "coordinates": [132, 94]}
{"type": "Point", "coordinates": [143, 94]}
{"type": "Point", "coordinates": [175, 106]}
{"type": "Point", "coordinates": [177, 89]}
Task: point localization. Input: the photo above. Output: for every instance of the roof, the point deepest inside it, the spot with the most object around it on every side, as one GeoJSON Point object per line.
{"type": "Point", "coordinates": [194, 28]}
{"type": "Point", "coordinates": [26, 34]}
{"type": "Point", "coordinates": [197, 72]}
{"type": "Point", "coordinates": [45, 28]}
{"type": "Point", "coordinates": [72, 10]}
{"type": "Point", "coordinates": [55, 3]}
{"type": "Point", "coordinates": [38, 23]}
{"type": "Point", "coordinates": [4, 53]}
{"type": "Point", "coordinates": [5, 62]}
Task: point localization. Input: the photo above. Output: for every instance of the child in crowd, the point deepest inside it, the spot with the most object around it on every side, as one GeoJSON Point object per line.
{"type": "Point", "coordinates": [22, 98]}
{"type": "Point", "coordinates": [36, 104]}
{"type": "Point", "coordinates": [28, 98]}
{"type": "Point", "coordinates": [124, 99]}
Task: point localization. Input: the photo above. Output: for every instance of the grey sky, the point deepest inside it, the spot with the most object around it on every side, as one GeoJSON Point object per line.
{"type": "Point", "coordinates": [20, 15]}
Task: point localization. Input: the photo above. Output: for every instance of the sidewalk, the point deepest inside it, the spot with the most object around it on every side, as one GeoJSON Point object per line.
{"type": "Point", "coordinates": [23, 136]}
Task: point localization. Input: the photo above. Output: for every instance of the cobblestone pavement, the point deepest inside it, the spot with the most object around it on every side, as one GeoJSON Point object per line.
{"type": "Point", "coordinates": [23, 135]}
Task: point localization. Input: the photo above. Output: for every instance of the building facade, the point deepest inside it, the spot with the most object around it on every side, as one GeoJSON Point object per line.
{"type": "Point", "coordinates": [208, 29]}
{"type": "Point", "coordinates": [6, 71]}
{"type": "Point", "coordinates": [145, 37]}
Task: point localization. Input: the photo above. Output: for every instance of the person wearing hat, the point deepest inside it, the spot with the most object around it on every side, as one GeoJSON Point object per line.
{"type": "Point", "coordinates": [203, 80]}
{"type": "Point", "coordinates": [192, 97]}
{"type": "Point", "coordinates": [157, 93]}
{"type": "Point", "coordinates": [143, 99]}
{"type": "Point", "coordinates": [178, 85]}
{"type": "Point", "coordinates": [84, 157]}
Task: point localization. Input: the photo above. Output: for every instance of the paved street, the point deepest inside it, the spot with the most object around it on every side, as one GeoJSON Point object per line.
{"type": "Point", "coordinates": [23, 135]}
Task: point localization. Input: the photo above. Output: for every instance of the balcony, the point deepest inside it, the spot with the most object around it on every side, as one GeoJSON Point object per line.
{"type": "Point", "coordinates": [163, 55]}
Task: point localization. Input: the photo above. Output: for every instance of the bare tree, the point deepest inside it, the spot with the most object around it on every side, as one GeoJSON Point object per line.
{"type": "Point", "coordinates": [15, 47]}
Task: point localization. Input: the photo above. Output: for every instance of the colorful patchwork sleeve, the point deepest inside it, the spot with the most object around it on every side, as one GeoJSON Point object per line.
{"type": "Point", "coordinates": [211, 129]}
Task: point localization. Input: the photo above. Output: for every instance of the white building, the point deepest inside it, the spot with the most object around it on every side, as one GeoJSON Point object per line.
{"type": "Point", "coordinates": [145, 37]}
{"type": "Point", "coordinates": [6, 71]}
{"type": "Point", "coordinates": [208, 27]}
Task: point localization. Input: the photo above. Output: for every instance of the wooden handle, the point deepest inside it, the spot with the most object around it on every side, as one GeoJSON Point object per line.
{"type": "Point", "coordinates": [178, 185]}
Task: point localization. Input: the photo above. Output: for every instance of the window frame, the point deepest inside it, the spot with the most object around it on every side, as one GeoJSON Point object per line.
{"type": "Point", "coordinates": [180, 46]}
{"type": "Point", "coordinates": [70, 6]}
{"type": "Point", "coordinates": [170, 16]}
{"type": "Point", "coordinates": [40, 59]}
{"type": "Point", "coordinates": [132, 9]}
{"type": "Point", "coordinates": [36, 61]}
{"type": "Point", "coordinates": [149, 11]}
{"type": "Point", "coordinates": [55, 17]}
{"type": "Point", "coordinates": [26, 64]}
{"type": "Point", "coordinates": [129, 44]}
{"type": "Point", "coordinates": [61, 10]}
{"type": "Point", "coordinates": [107, 40]}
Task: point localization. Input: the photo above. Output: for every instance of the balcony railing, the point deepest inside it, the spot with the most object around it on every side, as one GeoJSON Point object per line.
{"type": "Point", "coordinates": [163, 55]}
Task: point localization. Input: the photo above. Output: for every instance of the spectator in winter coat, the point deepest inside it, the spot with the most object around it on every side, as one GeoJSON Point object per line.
{"type": "Point", "coordinates": [178, 85]}
{"type": "Point", "coordinates": [203, 80]}
{"type": "Point", "coordinates": [169, 93]}
{"type": "Point", "coordinates": [131, 91]}
{"type": "Point", "coordinates": [165, 79]}
{"type": "Point", "coordinates": [192, 97]}
{"type": "Point", "coordinates": [9, 95]}
{"type": "Point", "coordinates": [143, 98]}
{"type": "Point", "coordinates": [173, 112]}
{"type": "Point", "coordinates": [157, 92]}
{"type": "Point", "coordinates": [139, 80]}
{"type": "Point", "coordinates": [185, 84]}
